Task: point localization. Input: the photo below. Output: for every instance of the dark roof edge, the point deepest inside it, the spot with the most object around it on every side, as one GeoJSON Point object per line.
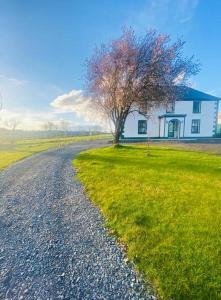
{"type": "Point", "coordinates": [171, 115]}
{"type": "Point", "coordinates": [188, 93]}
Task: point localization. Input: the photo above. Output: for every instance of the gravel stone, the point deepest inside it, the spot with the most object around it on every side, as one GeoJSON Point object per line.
{"type": "Point", "coordinates": [53, 244]}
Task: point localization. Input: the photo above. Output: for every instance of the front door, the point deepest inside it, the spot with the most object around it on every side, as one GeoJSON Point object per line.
{"type": "Point", "coordinates": [174, 129]}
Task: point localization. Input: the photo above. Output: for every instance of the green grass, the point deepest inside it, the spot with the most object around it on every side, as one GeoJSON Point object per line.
{"type": "Point", "coordinates": [12, 151]}
{"type": "Point", "coordinates": [167, 209]}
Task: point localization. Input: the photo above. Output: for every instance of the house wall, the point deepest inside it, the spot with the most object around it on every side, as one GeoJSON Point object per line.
{"type": "Point", "coordinates": [206, 117]}
{"type": "Point", "coordinates": [155, 126]}
{"type": "Point", "coordinates": [162, 125]}
{"type": "Point", "coordinates": [131, 126]}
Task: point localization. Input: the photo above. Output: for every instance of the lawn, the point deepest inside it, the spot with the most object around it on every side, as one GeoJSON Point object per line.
{"type": "Point", "coordinates": [166, 208]}
{"type": "Point", "coordinates": [11, 151]}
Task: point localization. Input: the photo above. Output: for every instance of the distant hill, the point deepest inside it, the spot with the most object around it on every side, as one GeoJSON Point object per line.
{"type": "Point", "coordinates": [21, 134]}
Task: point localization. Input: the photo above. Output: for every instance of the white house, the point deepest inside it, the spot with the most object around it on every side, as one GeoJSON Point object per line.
{"type": "Point", "coordinates": [194, 115]}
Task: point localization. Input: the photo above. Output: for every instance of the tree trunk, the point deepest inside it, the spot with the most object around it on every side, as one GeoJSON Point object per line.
{"type": "Point", "coordinates": [117, 137]}
{"type": "Point", "coordinates": [119, 126]}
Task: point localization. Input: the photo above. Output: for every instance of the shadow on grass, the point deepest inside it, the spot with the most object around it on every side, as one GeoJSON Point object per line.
{"type": "Point", "coordinates": [155, 162]}
{"type": "Point", "coordinates": [160, 148]}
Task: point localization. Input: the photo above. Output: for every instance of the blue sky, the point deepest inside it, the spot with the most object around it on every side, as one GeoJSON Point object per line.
{"type": "Point", "coordinates": [44, 45]}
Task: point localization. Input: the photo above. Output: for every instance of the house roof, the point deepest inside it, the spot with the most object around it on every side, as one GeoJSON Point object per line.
{"type": "Point", "coordinates": [187, 93]}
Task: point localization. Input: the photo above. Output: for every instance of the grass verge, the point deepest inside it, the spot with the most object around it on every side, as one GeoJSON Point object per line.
{"type": "Point", "coordinates": [13, 151]}
{"type": "Point", "coordinates": [167, 209]}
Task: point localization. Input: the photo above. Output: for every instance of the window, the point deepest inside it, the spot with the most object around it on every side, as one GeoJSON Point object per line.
{"type": "Point", "coordinates": [196, 107]}
{"type": "Point", "coordinates": [195, 126]}
{"type": "Point", "coordinates": [142, 127]}
{"type": "Point", "coordinates": [170, 107]}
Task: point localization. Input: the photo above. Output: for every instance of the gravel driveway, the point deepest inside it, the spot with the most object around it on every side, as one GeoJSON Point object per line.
{"type": "Point", "coordinates": [52, 241]}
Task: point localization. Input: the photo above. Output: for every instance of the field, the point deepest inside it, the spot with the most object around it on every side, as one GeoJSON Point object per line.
{"type": "Point", "coordinates": [166, 209]}
{"type": "Point", "coordinates": [11, 151]}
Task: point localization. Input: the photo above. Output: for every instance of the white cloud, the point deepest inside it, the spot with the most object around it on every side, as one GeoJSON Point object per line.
{"type": "Point", "coordinates": [186, 10]}
{"type": "Point", "coordinates": [76, 102]}
{"type": "Point", "coordinates": [179, 78]}
{"type": "Point", "coordinates": [163, 14]}
{"type": "Point", "coordinates": [13, 90]}
{"type": "Point", "coordinates": [31, 120]}
{"type": "Point", "coordinates": [13, 81]}
{"type": "Point", "coordinates": [70, 101]}
{"type": "Point", "coordinates": [26, 120]}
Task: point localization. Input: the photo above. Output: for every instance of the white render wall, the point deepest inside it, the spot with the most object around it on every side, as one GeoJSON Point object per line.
{"type": "Point", "coordinates": [131, 125]}
{"type": "Point", "coordinates": [155, 126]}
{"type": "Point", "coordinates": [207, 118]}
